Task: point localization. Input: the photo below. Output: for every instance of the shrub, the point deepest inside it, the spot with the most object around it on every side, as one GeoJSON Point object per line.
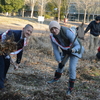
{"type": "Point", "coordinates": [47, 16]}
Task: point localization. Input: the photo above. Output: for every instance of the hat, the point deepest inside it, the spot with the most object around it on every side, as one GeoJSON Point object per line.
{"type": "Point", "coordinates": [97, 18]}
{"type": "Point", "coordinates": [54, 24]}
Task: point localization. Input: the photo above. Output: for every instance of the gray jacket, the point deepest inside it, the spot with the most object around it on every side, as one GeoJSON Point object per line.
{"type": "Point", "coordinates": [70, 35]}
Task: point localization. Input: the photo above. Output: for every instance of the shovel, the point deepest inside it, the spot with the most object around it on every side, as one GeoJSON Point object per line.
{"type": "Point", "coordinates": [80, 34]}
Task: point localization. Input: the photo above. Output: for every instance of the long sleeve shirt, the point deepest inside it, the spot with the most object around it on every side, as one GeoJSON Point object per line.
{"type": "Point", "coordinates": [17, 37]}
{"type": "Point", "coordinates": [70, 35]}
{"type": "Point", "coordinates": [94, 28]}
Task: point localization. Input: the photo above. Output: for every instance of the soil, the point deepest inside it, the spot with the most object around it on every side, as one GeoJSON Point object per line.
{"type": "Point", "coordinates": [38, 65]}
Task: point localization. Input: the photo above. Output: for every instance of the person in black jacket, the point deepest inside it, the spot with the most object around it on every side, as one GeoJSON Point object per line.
{"type": "Point", "coordinates": [20, 37]}
{"type": "Point", "coordinates": [94, 28]}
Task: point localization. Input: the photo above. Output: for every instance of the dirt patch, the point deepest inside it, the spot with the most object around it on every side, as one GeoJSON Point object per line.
{"type": "Point", "coordinates": [37, 67]}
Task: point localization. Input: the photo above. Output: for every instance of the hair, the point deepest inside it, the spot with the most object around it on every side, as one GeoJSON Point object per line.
{"type": "Point", "coordinates": [28, 26]}
{"type": "Point", "coordinates": [97, 18]}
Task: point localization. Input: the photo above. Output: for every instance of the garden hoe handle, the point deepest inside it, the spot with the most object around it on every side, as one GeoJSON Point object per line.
{"type": "Point", "coordinates": [66, 56]}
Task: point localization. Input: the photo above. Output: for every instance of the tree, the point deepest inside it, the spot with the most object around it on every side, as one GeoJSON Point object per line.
{"type": "Point", "coordinates": [2, 2]}
{"type": "Point", "coordinates": [97, 6]}
{"type": "Point", "coordinates": [84, 5]}
{"type": "Point", "coordinates": [42, 4]}
{"type": "Point", "coordinates": [58, 6]}
{"type": "Point", "coordinates": [31, 3]}
{"type": "Point", "coordinates": [65, 7]}
{"type": "Point", "coordinates": [12, 5]}
{"type": "Point", "coordinates": [50, 8]}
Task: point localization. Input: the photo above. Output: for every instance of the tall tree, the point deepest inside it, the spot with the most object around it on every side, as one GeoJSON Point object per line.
{"type": "Point", "coordinates": [12, 5]}
{"type": "Point", "coordinates": [58, 5]}
{"type": "Point", "coordinates": [42, 4]}
{"type": "Point", "coordinates": [97, 6]}
{"type": "Point", "coordinates": [2, 2]}
{"type": "Point", "coordinates": [31, 3]}
{"type": "Point", "coordinates": [65, 6]}
{"type": "Point", "coordinates": [23, 8]}
{"type": "Point", "coordinates": [84, 5]}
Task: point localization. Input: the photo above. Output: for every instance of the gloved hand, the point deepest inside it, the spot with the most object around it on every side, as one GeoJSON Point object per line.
{"type": "Point", "coordinates": [68, 51]}
{"type": "Point", "coordinates": [61, 66]}
{"type": "Point", "coordinates": [16, 66]}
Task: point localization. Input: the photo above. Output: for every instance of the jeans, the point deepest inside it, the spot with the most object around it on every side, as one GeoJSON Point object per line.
{"type": "Point", "coordinates": [72, 66]}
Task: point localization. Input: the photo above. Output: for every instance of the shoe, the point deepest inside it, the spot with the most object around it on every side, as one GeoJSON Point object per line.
{"type": "Point", "coordinates": [52, 81]}
{"type": "Point", "coordinates": [69, 91]}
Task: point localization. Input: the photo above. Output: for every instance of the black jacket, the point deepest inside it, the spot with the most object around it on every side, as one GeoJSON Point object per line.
{"type": "Point", "coordinates": [17, 37]}
{"type": "Point", "coordinates": [94, 28]}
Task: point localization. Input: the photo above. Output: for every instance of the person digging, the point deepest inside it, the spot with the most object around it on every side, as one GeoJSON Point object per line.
{"type": "Point", "coordinates": [63, 38]}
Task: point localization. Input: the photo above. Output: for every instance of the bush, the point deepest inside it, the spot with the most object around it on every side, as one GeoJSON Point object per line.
{"type": "Point", "coordinates": [62, 17]}
{"type": "Point", "coordinates": [47, 16]}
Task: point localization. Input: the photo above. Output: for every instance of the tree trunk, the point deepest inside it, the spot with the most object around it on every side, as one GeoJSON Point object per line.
{"type": "Point", "coordinates": [41, 13]}
{"type": "Point", "coordinates": [93, 16]}
{"type": "Point", "coordinates": [78, 15]}
{"type": "Point", "coordinates": [88, 17]}
{"type": "Point", "coordinates": [23, 12]}
{"type": "Point", "coordinates": [41, 10]}
{"type": "Point", "coordinates": [32, 10]}
{"type": "Point", "coordinates": [84, 16]}
{"type": "Point", "coordinates": [58, 15]}
{"type": "Point", "coordinates": [59, 11]}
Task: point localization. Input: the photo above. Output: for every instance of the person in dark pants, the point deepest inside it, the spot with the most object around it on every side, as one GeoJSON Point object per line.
{"type": "Point", "coordinates": [20, 37]}
{"type": "Point", "coordinates": [94, 27]}
{"type": "Point", "coordinates": [61, 40]}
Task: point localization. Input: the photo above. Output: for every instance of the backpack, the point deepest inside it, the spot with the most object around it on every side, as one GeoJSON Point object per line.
{"type": "Point", "coordinates": [66, 40]}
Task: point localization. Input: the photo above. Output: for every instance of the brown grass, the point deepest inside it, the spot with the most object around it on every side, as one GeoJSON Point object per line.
{"type": "Point", "coordinates": [38, 66]}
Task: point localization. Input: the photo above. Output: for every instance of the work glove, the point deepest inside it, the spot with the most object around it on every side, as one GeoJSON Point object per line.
{"type": "Point", "coordinates": [68, 51]}
{"type": "Point", "coordinates": [61, 66]}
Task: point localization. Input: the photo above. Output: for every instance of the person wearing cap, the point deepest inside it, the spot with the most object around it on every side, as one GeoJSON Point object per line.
{"type": "Point", "coordinates": [61, 47]}
{"type": "Point", "coordinates": [94, 27]}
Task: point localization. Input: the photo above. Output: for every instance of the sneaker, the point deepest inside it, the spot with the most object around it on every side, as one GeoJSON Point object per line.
{"type": "Point", "coordinates": [52, 81]}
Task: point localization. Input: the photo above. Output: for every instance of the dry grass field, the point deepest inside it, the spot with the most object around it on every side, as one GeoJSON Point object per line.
{"type": "Point", "coordinates": [38, 66]}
